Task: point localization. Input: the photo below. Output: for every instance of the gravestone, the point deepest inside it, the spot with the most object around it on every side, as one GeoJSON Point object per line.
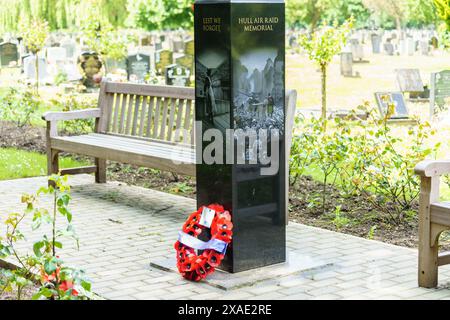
{"type": "Point", "coordinates": [138, 67]}
{"type": "Point", "coordinates": [410, 46]}
{"type": "Point", "coordinates": [396, 99]}
{"type": "Point", "coordinates": [244, 90]}
{"type": "Point", "coordinates": [163, 58]}
{"type": "Point", "coordinates": [146, 41]}
{"type": "Point", "coordinates": [56, 54]}
{"type": "Point", "coordinates": [189, 47]}
{"type": "Point", "coordinates": [9, 54]}
{"type": "Point", "coordinates": [70, 46]}
{"type": "Point", "coordinates": [376, 43]}
{"type": "Point", "coordinates": [347, 64]}
{"type": "Point", "coordinates": [439, 91]}
{"type": "Point", "coordinates": [389, 48]}
{"type": "Point", "coordinates": [357, 50]}
{"type": "Point", "coordinates": [91, 66]}
{"type": "Point", "coordinates": [177, 75]}
{"type": "Point", "coordinates": [178, 45]}
{"type": "Point", "coordinates": [71, 70]}
{"type": "Point", "coordinates": [29, 68]}
{"type": "Point", "coordinates": [186, 61]}
{"type": "Point", "coordinates": [116, 70]}
{"type": "Point", "coordinates": [424, 47]}
{"type": "Point", "coordinates": [158, 46]}
{"type": "Point", "coordinates": [293, 41]}
{"type": "Point", "coordinates": [409, 80]}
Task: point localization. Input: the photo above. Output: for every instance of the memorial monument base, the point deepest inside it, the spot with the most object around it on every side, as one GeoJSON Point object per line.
{"type": "Point", "coordinates": [296, 264]}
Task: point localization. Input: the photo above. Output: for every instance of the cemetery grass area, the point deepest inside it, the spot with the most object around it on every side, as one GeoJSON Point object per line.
{"type": "Point", "coordinates": [346, 93]}
{"type": "Point", "coordinates": [15, 163]}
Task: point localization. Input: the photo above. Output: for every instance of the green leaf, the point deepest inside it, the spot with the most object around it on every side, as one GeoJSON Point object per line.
{"type": "Point", "coordinates": [37, 248]}
{"type": "Point", "coordinates": [50, 266]}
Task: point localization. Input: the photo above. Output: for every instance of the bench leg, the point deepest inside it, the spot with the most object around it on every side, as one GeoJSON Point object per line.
{"type": "Point", "coordinates": [428, 240]}
{"type": "Point", "coordinates": [100, 172]}
{"type": "Point", "coordinates": [428, 264]}
{"type": "Point", "coordinates": [52, 164]}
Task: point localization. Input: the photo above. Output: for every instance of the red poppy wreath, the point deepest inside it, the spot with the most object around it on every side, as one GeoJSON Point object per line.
{"type": "Point", "coordinates": [195, 258]}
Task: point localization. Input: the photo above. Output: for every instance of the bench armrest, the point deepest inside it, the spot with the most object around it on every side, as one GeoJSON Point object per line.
{"type": "Point", "coordinates": [432, 168]}
{"type": "Point", "coordinates": [72, 115]}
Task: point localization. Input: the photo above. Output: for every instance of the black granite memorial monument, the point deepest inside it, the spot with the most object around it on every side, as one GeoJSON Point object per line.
{"type": "Point", "coordinates": [240, 84]}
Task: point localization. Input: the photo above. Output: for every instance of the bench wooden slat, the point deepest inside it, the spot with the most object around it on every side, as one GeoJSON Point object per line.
{"type": "Point", "coordinates": [143, 116]}
{"type": "Point", "coordinates": [156, 118]}
{"type": "Point", "coordinates": [129, 114]}
{"type": "Point", "coordinates": [137, 105]}
{"type": "Point", "coordinates": [173, 106]}
{"type": "Point", "coordinates": [116, 112]}
{"type": "Point", "coordinates": [162, 151]}
{"type": "Point", "coordinates": [131, 141]}
{"type": "Point", "coordinates": [125, 156]}
{"type": "Point", "coordinates": [150, 114]}
{"type": "Point", "coordinates": [108, 112]}
{"type": "Point", "coordinates": [123, 111]}
{"type": "Point", "coordinates": [162, 130]}
{"type": "Point", "coordinates": [187, 122]}
{"type": "Point", "coordinates": [171, 143]}
{"type": "Point", "coordinates": [178, 127]}
{"type": "Point", "coordinates": [151, 90]}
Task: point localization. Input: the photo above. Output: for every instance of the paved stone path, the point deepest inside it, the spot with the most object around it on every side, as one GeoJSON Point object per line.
{"type": "Point", "coordinates": [122, 228]}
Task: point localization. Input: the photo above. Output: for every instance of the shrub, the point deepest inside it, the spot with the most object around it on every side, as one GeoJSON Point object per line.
{"type": "Point", "coordinates": [44, 266]}
{"type": "Point", "coordinates": [19, 106]}
{"type": "Point", "coordinates": [72, 102]}
{"type": "Point", "coordinates": [365, 158]}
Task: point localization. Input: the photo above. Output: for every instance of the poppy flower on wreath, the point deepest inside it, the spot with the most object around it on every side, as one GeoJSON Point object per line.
{"type": "Point", "coordinates": [222, 230]}
{"type": "Point", "coordinates": [193, 265]}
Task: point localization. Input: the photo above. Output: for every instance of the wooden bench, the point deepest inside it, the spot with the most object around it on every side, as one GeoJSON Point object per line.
{"type": "Point", "coordinates": [138, 124]}
{"type": "Point", "coordinates": [434, 218]}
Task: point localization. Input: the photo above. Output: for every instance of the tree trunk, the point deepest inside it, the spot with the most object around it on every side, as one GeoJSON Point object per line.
{"type": "Point", "coordinates": [323, 70]}
{"type": "Point", "coordinates": [398, 24]}
{"type": "Point", "coordinates": [37, 72]}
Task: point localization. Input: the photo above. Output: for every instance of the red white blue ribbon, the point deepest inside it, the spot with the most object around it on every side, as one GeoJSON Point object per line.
{"type": "Point", "coordinates": [192, 242]}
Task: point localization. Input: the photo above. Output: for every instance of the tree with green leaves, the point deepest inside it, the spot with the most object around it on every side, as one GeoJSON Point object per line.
{"type": "Point", "coordinates": [102, 38]}
{"type": "Point", "coordinates": [396, 9]}
{"type": "Point", "coordinates": [34, 35]}
{"type": "Point", "coordinates": [160, 14]}
{"type": "Point", "coordinates": [443, 11]}
{"type": "Point", "coordinates": [341, 10]}
{"type": "Point", "coordinates": [421, 13]}
{"type": "Point", "coordinates": [321, 46]}
{"type": "Point", "coordinates": [306, 13]}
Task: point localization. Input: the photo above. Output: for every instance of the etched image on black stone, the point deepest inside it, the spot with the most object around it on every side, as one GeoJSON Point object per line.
{"type": "Point", "coordinates": [258, 90]}
{"type": "Point", "coordinates": [213, 89]}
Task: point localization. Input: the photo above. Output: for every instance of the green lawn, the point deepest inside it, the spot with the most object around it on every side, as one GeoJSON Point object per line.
{"type": "Point", "coordinates": [15, 164]}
